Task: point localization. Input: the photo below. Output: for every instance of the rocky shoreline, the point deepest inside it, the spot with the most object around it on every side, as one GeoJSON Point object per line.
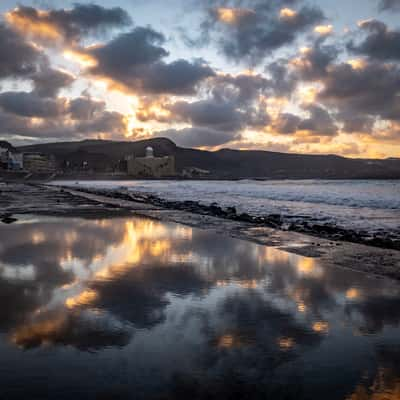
{"type": "Point", "coordinates": [299, 224]}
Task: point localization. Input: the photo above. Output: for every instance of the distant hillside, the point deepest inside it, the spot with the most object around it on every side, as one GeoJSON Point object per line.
{"type": "Point", "coordinates": [231, 164]}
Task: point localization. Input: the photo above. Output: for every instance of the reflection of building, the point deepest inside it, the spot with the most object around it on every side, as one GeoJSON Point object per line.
{"type": "Point", "coordinates": [151, 166]}
{"type": "Point", "coordinates": [15, 161]}
{"type": "Point", "coordinates": [193, 172]}
{"type": "Point", "coordinates": [11, 160]}
{"type": "Point", "coordinates": [38, 162]}
{"type": "Point", "coordinates": [3, 157]}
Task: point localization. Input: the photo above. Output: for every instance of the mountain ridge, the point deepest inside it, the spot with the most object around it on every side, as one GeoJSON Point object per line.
{"type": "Point", "coordinates": [224, 163]}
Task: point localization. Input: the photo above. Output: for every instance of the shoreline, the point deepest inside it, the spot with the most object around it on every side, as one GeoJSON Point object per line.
{"type": "Point", "coordinates": [67, 202]}
{"type": "Point", "coordinates": [293, 223]}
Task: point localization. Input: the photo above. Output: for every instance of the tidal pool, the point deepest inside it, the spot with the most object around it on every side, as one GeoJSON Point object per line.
{"type": "Point", "coordinates": [131, 308]}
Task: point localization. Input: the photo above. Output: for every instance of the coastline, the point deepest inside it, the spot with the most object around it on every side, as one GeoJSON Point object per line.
{"type": "Point", "coordinates": [301, 220]}
{"type": "Point", "coordinates": [62, 201]}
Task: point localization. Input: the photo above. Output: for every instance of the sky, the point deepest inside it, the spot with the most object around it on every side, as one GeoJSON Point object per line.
{"type": "Point", "coordinates": [303, 76]}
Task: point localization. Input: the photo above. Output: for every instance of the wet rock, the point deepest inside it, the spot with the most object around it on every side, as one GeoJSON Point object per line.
{"type": "Point", "coordinates": [231, 210]}
{"type": "Point", "coordinates": [8, 220]}
{"type": "Point", "coordinates": [245, 217]}
{"type": "Point", "coordinates": [274, 218]}
{"type": "Point", "coordinates": [217, 210]}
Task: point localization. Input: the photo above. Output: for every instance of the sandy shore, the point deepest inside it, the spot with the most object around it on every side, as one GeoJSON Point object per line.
{"type": "Point", "coordinates": [51, 200]}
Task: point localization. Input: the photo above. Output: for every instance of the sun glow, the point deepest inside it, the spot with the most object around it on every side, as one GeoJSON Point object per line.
{"type": "Point", "coordinates": [357, 63]}
{"type": "Point", "coordinates": [83, 59]}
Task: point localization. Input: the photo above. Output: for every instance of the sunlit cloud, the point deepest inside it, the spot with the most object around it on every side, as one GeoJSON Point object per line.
{"type": "Point", "coordinates": [232, 15]}
{"type": "Point", "coordinates": [323, 29]}
{"type": "Point", "coordinates": [82, 58]}
{"type": "Point", "coordinates": [38, 29]}
{"type": "Point", "coordinates": [357, 64]}
{"type": "Point", "coordinates": [287, 13]}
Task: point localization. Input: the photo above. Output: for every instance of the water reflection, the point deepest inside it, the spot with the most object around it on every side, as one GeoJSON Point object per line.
{"type": "Point", "coordinates": [152, 310]}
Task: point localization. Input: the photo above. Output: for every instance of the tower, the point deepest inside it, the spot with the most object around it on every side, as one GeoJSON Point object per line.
{"type": "Point", "coordinates": [149, 152]}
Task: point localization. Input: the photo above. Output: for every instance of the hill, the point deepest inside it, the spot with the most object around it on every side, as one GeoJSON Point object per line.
{"type": "Point", "coordinates": [102, 155]}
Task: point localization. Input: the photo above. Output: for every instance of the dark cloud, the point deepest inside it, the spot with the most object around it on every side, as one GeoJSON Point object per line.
{"type": "Point", "coordinates": [372, 89]}
{"type": "Point", "coordinates": [219, 115]}
{"type": "Point", "coordinates": [108, 122]}
{"type": "Point", "coordinates": [141, 46]}
{"type": "Point", "coordinates": [242, 98]}
{"type": "Point", "coordinates": [353, 123]}
{"type": "Point", "coordinates": [231, 104]}
{"type": "Point", "coordinates": [85, 108]}
{"type": "Point", "coordinates": [389, 5]}
{"type": "Point", "coordinates": [59, 118]}
{"type": "Point", "coordinates": [21, 59]}
{"type": "Point", "coordinates": [71, 24]}
{"type": "Point", "coordinates": [26, 104]}
{"type": "Point", "coordinates": [251, 34]}
{"type": "Point", "coordinates": [380, 43]}
{"type": "Point", "coordinates": [287, 123]}
{"type": "Point", "coordinates": [314, 62]}
{"type": "Point", "coordinates": [282, 81]}
{"type": "Point", "coordinates": [18, 58]}
{"type": "Point", "coordinates": [243, 89]}
{"type": "Point", "coordinates": [319, 123]}
{"type": "Point", "coordinates": [134, 61]}
{"type": "Point", "coordinates": [48, 81]}
{"type": "Point", "coordinates": [179, 77]}
{"type": "Point", "coordinates": [199, 137]}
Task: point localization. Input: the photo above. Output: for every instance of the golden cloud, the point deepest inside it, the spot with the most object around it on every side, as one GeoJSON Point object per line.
{"type": "Point", "coordinates": [232, 16]}
{"type": "Point", "coordinates": [42, 30]}
{"type": "Point", "coordinates": [323, 29]}
{"type": "Point", "coordinates": [287, 13]}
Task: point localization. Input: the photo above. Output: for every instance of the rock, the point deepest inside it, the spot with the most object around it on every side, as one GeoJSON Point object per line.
{"type": "Point", "coordinates": [245, 217]}
{"type": "Point", "coordinates": [231, 210]}
{"type": "Point", "coordinates": [216, 210]}
{"type": "Point", "coordinates": [9, 220]}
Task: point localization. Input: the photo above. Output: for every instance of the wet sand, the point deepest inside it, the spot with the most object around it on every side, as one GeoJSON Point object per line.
{"type": "Point", "coordinates": [51, 200]}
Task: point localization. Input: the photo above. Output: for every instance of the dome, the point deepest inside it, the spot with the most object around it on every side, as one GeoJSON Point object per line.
{"type": "Point", "coordinates": [149, 152]}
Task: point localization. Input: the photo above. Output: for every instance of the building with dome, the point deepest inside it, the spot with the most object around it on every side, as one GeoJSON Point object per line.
{"type": "Point", "coordinates": [150, 166]}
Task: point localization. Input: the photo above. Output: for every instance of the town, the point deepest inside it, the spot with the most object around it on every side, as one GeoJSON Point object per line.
{"type": "Point", "coordinates": [26, 165]}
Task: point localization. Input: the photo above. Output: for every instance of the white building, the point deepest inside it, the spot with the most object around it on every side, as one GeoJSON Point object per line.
{"type": "Point", "coordinates": [151, 166]}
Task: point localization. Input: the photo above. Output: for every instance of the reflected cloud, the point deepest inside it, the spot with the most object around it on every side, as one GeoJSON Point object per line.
{"type": "Point", "coordinates": [220, 305]}
{"type": "Point", "coordinates": [83, 331]}
{"type": "Point", "coordinates": [385, 382]}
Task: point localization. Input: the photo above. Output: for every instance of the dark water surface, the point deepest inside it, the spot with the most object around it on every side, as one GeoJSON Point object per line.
{"type": "Point", "coordinates": [131, 308]}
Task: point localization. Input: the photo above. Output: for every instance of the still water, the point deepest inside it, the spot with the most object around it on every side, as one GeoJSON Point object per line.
{"type": "Point", "coordinates": [131, 308]}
